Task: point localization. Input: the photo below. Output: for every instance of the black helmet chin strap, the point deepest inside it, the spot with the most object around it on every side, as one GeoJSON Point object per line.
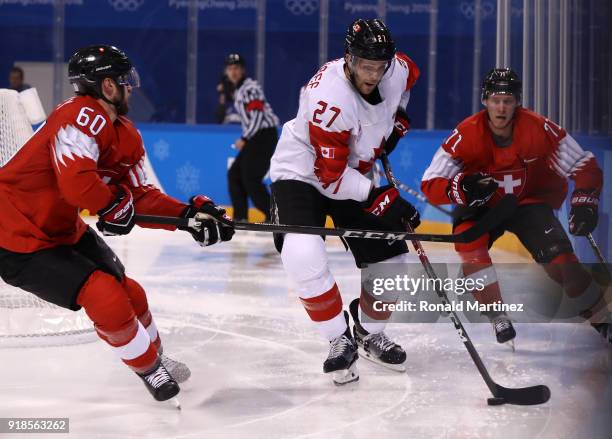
{"type": "Point", "coordinates": [351, 71]}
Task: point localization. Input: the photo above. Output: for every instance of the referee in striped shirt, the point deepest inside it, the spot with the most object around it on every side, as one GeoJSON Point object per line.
{"type": "Point", "coordinates": [255, 146]}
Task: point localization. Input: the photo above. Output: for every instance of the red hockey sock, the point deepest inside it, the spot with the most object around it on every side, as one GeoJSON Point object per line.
{"type": "Point", "coordinates": [138, 298]}
{"type": "Point", "coordinates": [107, 304]}
{"type": "Point", "coordinates": [325, 306]}
{"type": "Point", "coordinates": [567, 271]}
{"type": "Point", "coordinates": [366, 303]}
{"type": "Point", "coordinates": [477, 265]}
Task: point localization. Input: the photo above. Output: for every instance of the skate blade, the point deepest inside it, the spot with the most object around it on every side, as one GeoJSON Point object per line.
{"type": "Point", "coordinates": [345, 376]}
{"type": "Point", "coordinates": [175, 403]}
{"type": "Point", "coordinates": [394, 367]}
{"type": "Point", "coordinates": [510, 344]}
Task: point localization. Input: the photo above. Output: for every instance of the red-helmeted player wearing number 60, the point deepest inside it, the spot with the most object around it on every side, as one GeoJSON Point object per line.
{"type": "Point", "coordinates": [507, 149]}
{"type": "Point", "coordinates": [88, 155]}
{"type": "Point", "coordinates": [350, 111]}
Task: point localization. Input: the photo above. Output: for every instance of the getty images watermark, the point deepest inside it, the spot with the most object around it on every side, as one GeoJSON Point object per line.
{"type": "Point", "coordinates": [408, 284]}
{"type": "Point", "coordinates": [528, 293]}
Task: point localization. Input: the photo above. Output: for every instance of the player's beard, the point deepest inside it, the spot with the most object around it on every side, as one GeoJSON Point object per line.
{"type": "Point", "coordinates": [122, 105]}
{"type": "Point", "coordinates": [122, 108]}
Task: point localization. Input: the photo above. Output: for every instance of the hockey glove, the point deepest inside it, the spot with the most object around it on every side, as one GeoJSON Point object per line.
{"type": "Point", "coordinates": [400, 128]}
{"type": "Point", "coordinates": [583, 214]}
{"type": "Point", "coordinates": [386, 203]}
{"type": "Point", "coordinates": [118, 217]}
{"type": "Point", "coordinates": [472, 190]}
{"type": "Point", "coordinates": [210, 231]}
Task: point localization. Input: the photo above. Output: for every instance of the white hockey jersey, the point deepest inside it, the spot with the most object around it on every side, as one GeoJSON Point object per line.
{"type": "Point", "coordinates": [337, 135]}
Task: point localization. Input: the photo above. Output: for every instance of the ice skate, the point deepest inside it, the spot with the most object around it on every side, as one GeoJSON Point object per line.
{"type": "Point", "coordinates": [604, 329]}
{"type": "Point", "coordinates": [160, 384]}
{"type": "Point", "coordinates": [377, 347]}
{"type": "Point", "coordinates": [503, 328]}
{"type": "Point", "coordinates": [342, 358]}
{"type": "Point", "coordinates": [179, 371]}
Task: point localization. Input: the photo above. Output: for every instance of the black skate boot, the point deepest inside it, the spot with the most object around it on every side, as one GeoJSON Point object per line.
{"type": "Point", "coordinates": [504, 331]}
{"type": "Point", "coordinates": [342, 358]}
{"type": "Point", "coordinates": [179, 371]}
{"type": "Point", "coordinates": [604, 329]}
{"type": "Point", "coordinates": [377, 347]}
{"type": "Point", "coordinates": [159, 382]}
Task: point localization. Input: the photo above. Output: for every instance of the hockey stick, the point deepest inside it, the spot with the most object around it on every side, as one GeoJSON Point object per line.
{"type": "Point", "coordinates": [501, 395]}
{"type": "Point", "coordinates": [488, 222]}
{"type": "Point", "coordinates": [596, 249]}
{"type": "Point", "coordinates": [419, 196]}
{"type": "Point", "coordinates": [600, 273]}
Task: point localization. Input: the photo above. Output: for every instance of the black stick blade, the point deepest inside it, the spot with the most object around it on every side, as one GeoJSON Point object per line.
{"type": "Point", "coordinates": [524, 396]}
{"type": "Point", "coordinates": [496, 401]}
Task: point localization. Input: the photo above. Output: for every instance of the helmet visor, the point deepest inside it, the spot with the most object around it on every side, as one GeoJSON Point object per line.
{"type": "Point", "coordinates": [373, 69]}
{"type": "Point", "coordinates": [131, 78]}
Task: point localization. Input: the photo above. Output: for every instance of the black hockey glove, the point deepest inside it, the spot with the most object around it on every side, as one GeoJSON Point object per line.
{"type": "Point", "coordinates": [583, 214]}
{"type": "Point", "coordinates": [211, 230]}
{"type": "Point", "coordinates": [386, 203]}
{"type": "Point", "coordinates": [400, 128]}
{"type": "Point", "coordinates": [472, 190]}
{"type": "Point", "coordinates": [118, 217]}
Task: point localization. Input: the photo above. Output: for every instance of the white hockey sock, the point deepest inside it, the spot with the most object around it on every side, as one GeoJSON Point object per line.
{"type": "Point", "coordinates": [370, 326]}
{"type": "Point", "coordinates": [332, 328]}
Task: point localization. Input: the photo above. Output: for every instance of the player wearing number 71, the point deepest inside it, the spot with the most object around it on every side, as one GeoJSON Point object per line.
{"type": "Point", "coordinates": [350, 111]}
{"type": "Point", "coordinates": [507, 149]}
{"type": "Point", "coordinates": [89, 155]}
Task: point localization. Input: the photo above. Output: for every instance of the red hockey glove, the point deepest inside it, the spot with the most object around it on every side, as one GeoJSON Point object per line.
{"type": "Point", "coordinates": [400, 128]}
{"type": "Point", "coordinates": [212, 230]}
{"type": "Point", "coordinates": [386, 203]}
{"type": "Point", "coordinates": [118, 217]}
{"type": "Point", "coordinates": [583, 214]}
{"type": "Point", "coordinates": [472, 190]}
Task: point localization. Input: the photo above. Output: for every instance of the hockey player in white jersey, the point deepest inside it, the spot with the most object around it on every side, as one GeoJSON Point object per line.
{"type": "Point", "coordinates": [350, 111]}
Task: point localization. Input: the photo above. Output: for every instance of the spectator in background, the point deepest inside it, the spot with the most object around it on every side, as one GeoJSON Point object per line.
{"type": "Point", "coordinates": [256, 144]}
{"type": "Point", "coordinates": [16, 79]}
{"type": "Point", "coordinates": [225, 111]}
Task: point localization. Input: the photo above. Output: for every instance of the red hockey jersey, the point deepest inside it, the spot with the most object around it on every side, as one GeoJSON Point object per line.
{"type": "Point", "coordinates": [67, 166]}
{"type": "Point", "coordinates": [534, 167]}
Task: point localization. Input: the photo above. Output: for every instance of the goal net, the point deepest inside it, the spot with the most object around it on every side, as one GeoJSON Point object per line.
{"type": "Point", "coordinates": [26, 320]}
{"type": "Point", "coordinates": [15, 129]}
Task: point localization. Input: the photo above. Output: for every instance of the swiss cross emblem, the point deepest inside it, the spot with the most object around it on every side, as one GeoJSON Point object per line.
{"type": "Point", "coordinates": [510, 182]}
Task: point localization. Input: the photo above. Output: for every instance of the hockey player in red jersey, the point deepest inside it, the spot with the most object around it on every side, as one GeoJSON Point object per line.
{"type": "Point", "coordinates": [507, 149]}
{"type": "Point", "coordinates": [88, 155]}
{"type": "Point", "coordinates": [350, 111]}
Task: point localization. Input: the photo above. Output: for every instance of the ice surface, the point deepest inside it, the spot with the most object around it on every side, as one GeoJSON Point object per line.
{"type": "Point", "coordinates": [229, 312]}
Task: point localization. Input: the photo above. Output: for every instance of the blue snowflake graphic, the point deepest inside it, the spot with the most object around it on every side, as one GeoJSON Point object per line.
{"type": "Point", "coordinates": [161, 149]}
{"type": "Point", "coordinates": [188, 179]}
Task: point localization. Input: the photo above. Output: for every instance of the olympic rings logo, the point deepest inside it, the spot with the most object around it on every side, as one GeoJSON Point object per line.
{"type": "Point", "coordinates": [468, 9]}
{"type": "Point", "coordinates": [301, 7]}
{"type": "Point", "coordinates": [126, 5]}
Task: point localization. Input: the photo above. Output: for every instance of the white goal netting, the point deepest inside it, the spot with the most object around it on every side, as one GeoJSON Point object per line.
{"type": "Point", "coordinates": [15, 129]}
{"type": "Point", "coordinates": [26, 320]}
